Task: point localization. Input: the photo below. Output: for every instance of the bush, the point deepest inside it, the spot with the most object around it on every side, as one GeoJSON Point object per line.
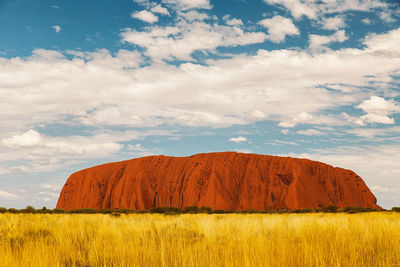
{"type": "Point", "coordinates": [357, 209]}
{"type": "Point", "coordinates": [12, 210]}
{"type": "Point", "coordinates": [302, 211]}
{"type": "Point", "coordinates": [205, 209]}
{"type": "Point", "coordinates": [218, 211]}
{"type": "Point", "coordinates": [165, 210]}
{"type": "Point", "coordinates": [58, 211]}
{"type": "Point", "coordinates": [330, 208]}
{"type": "Point", "coordinates": [86, 211]}
{"type": "Point", "coordinates": [191, 209]}
{"type": "Point", "coordinates": [29, 209]}
{"type": "Point", "coordinates": [3, 210]}
{"type": "Point", "coordinates": [396, 209]}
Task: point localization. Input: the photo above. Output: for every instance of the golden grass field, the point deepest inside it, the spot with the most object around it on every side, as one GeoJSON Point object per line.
{"type": "Point", "coordinates": [364, 239]}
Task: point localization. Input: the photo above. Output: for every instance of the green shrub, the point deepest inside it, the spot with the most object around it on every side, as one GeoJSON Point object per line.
{"type": "Point", "coordinates": [191, 209]}
{"type": "Point", "coordinates": [3, 210]}
{"type": "Point", "coordinates": [29, 209]}
{"type": "Point", "coordinates": [12, 210]}
{"type": "Point", "coordinates": [85, 211]}
{"type": "Point", "coordinates": [396, 209]}
{"type": "Point", "coordinates": [357, 209]}
{"type": "Point", "coordinates": [302, 211]}
{"type": "Point", "coordinates": [165, 210]}
{"type": "Point", "coordinates": [205, 209]}
{"type": "Point", "coordinates": [218, 211]}
{"type": "Point", "coordinates": [330, 208]}
{"type": "Point", "coordinates": [58, 211]}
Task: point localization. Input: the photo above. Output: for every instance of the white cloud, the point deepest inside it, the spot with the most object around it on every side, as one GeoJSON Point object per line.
{"type": "Point", "coordinates": [188, 4]}
{"type": "Point", "coordinates": [376, 133]}
{"type": "Point", "coordinates": [145, 16]}
{"type": "Point", "coordinates": [285, 131]}
{"type": "Point", "coordinates": [193, 15]}
{"type": "Point", "coordinates": [52, 187]}
{"type": "Point", "coordinates": [366, 21]}
{"type": "Point", "coordinates": [160, 10]}
{"type": "Point", "coordinates": [278, 27]}
{"type": "Point", "coordinates": [310, 132]}
{"type": "Point", "coordinates": [238, 139]}
{"type": "Point", "coordinates": [317, 9]}
{"type": "Point", "coordinates": [57, 28]}
{"type": "Point", "coordinates": [180, 41]}
{"type": "Point", "coordinates": [320, 41]}
{"type": "Point", "coordinates": [234, 22]}
{"type": "Point", "coordinates": [29, 138]}
{"type": "Point", "coordinates": [386, 17]}
{"type": "Point", "coordinates": [298, 8]}
{"type": "Point", "coordinates": [378, 109]}
{"type": "Point", "coordinates": [8, 196]}
{"type": "Point", "coordinates": [302, 117]}
{"type": "Point", "coordinates": [58, 152]}
{"type": "Point", "coordinates": [379, 105]}
{"type": "Point", "coordinates": [388, 41]}
{"type": "Point", "coordinates": [333, 23]}
{"type": "Point", "coordinates": [280, 142]}
{"type": "Point", "coordinates": [270, 85]}
{"type": "Point", "coordinates": [374, 118]}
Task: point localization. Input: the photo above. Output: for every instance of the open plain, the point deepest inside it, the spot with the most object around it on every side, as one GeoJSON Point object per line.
{"type": "Point", "coordinates": [315, 239]}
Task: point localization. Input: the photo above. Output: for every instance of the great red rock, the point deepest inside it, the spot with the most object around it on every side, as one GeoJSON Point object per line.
{"type": "Point", "coordinates": [227, 180]}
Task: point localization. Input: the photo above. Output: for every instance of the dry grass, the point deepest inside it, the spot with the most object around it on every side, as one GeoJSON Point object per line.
{"type": "Point", "coordinates": [368, 239]}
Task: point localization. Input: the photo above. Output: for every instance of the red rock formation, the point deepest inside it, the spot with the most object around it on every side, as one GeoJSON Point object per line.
{"type": "Point", "coordinates": [228, 181]}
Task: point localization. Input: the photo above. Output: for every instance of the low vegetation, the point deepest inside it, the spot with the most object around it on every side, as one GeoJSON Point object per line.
{"type": "Point", "coordinates": [191, 209]}
{"type": "Point", "coordinates": [153, 239]}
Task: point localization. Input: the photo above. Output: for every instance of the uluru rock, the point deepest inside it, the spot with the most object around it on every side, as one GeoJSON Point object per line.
{"type": "Point", "coordinates": [227, 180]}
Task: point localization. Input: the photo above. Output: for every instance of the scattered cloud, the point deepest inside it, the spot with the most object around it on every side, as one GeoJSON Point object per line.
{"type": "Point", "coordinates": [317, 42]}
{"type": "Point", "coordinates": [318, 9]}
{"type": "Point", "coordinates": [181, 40]}
{"type": "Point", "coordinates": [384, 42]}
{"type": "Point", "coordinates": [51, 187]}
{"type": "Point", "coordinates": [160, 10]}
{"type": "Point", "coordinates": [29, 138]}
{"type": "Point", "coordinates": [366, 21]}
{"type": "Point", "coordinates": [333, 23]}
{"type": "Point", "coordinates": [188, 4]}
{"type": "Point", "coordinates": [57, 28]}
{"type": "Point", "coordinates": [285, 131]}
{"type": "Point", "coordinates": [7, 196]}
{"type": "Point", "coordinates": [302, 117]}
{"type": "Point", "coordinates": [145, 16]}
{"type": "Point", "coordinates": [278, 27]}
{"type": "Point", "coordinates": [232, 21]}
{"type": "Point", "coordinates": [239, 139]}
{"type": "Point", "coordinates": [285, 85]}
{"type": "Point", "coordinates": [378, 110]}
{"type": "Point", "coordinates": [310, 132]}
{"type": "Point", "coordinates": [297, 8]}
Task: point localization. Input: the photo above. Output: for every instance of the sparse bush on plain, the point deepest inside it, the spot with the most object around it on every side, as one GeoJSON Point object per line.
{"type": "Point", "coordinates": [396, 209]}
{"type": "Point", "coordinates": [191, 209]}
{"type": "Point", "coordinates": [330, 208]}
{"type": "Point", "coordinates": [165, 210]}
{"type": "Point", "coordinates": [205, 209]}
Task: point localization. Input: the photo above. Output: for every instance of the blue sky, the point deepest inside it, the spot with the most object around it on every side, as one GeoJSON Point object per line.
{"type": "Point", "coordinates": [88, 82]}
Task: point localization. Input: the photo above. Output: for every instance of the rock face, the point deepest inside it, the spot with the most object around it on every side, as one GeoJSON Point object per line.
{"type": "Point", "coordinates": [228, 181]}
